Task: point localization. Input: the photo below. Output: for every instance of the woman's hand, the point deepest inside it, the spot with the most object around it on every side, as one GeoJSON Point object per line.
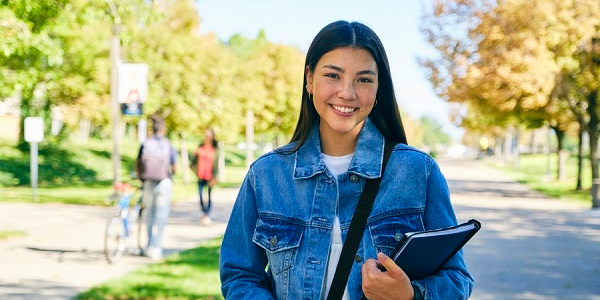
{"type": "Point", "coordinates": [392, 284]}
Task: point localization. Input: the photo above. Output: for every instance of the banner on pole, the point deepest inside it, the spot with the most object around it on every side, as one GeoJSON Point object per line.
{"type": "Point", "coordinates": [132, 88]}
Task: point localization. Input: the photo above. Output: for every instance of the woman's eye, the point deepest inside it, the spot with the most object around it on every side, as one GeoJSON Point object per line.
{"type": "Point", "coordinates": [332, 75]}
{"type": "Point", "coordinates": [365, 80]}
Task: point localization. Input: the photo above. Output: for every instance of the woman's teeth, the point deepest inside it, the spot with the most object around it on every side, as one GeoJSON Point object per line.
{"type": "Point", "coordinates": [345, 110]}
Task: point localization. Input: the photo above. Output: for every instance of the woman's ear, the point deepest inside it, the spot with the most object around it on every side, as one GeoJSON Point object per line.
{"type": "Point", "coordinates": [309, 80]}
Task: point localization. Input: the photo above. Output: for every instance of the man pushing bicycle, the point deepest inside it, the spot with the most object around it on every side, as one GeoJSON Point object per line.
{"type": "Point", "coordinates": [156, 166]}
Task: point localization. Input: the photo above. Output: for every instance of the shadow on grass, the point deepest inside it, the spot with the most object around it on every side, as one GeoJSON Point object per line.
{"type": "Point", "coordinates": [56, 167]}
{"type": "Point", "coordinates": [191, 274]}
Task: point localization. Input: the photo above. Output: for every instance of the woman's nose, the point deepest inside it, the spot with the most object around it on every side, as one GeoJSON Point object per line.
{"type": "Point", "coordinates": [347, 91]}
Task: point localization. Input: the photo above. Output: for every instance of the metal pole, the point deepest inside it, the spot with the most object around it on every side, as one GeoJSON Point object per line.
{"type": "Point", "coordinates": [595, 60]}
{"type": "Point", "coordinates": [548, 154]}
{"type": "Point", "coordinates": [115, 58]}
{"type": "Point", "coordinates": [34, 168]}
{"type": "Point", "coordinates": [249, 138]}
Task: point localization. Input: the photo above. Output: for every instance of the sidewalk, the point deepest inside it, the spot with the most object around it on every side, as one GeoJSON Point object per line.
{"type": "Point", "coordinates": [62, 253]}
{"type": "Point", "coordinates": [530, 247]}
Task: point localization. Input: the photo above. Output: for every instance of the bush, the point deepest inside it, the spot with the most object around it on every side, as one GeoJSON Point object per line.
{"type": "Point", "coordinates": [8, 179]}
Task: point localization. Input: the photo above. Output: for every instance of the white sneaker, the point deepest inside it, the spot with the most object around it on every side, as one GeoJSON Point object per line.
{"type": "Point", "coordinates": [154, 253]}
{"type": "Point", "coordinates": [205, 220]}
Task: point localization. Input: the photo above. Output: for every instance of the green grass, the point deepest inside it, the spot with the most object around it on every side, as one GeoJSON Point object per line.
{"type": "Point", "coordinates": [6, 234]}
{"type": "Point", "coordinates": [533, 171]}
{"type": "Point", "coordinates": [82, 173]}
{"type": "Point", "coordinates": [191, 274]}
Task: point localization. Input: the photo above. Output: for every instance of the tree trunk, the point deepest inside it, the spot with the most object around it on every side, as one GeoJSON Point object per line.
{"type": "Point", "coordinates": [507, 147]}
{"type": "Point", "coordinates": [594, 135]}
{"type": "Point", "coordinates": [515, 148]}
{"type": "Point", "coordinates": [185, 170]}
{"type": "Point", "coordinates": [579, 158]}
{"type": "Point", "coordinates": [498, 150]}
{"type": "Point", "coordinates": [221, 175]}
{"type": "Point", "coordinates": [26, 111]}
{"type": "Point", "coordinates": [249, 138]}
{"type": "Point", "coordinates": [560, 138]}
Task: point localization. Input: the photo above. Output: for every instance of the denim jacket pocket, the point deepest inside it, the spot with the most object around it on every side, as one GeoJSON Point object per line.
{"type": "Point", "coordinates": [386, 232]}
{"type": "Point", "coordinates": [280, 239]}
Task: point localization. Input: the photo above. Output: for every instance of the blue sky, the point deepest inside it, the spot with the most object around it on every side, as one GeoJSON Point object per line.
{"type": "Point", "coordinates": [396, 22]}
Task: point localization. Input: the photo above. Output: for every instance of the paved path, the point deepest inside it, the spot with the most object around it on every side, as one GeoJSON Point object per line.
{"type": "Point", "coordinates": [529, 248]}
{"type": "Point", "coordinates": [62, 253]}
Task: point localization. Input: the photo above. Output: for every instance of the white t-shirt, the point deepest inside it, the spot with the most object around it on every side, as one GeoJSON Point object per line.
{"type": "Point", "coordinates": [336, 165]}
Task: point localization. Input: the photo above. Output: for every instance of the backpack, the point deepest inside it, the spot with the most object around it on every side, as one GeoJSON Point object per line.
{"type": "Point", "coordinates": [155, 159]}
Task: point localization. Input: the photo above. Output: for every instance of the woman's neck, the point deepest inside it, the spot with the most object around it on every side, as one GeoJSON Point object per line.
{"type": "Point", "coordinates": [338, 144]}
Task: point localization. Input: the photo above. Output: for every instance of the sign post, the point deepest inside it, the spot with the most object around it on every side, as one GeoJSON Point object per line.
{"type": "Point", "coordinates": [34, 133]}
{"type": "Point", "coordinates": [143, 131]}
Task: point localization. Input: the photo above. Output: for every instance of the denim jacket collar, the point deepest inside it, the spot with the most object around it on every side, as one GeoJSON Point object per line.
{"type": "Point", "coordinates": [366, 162]}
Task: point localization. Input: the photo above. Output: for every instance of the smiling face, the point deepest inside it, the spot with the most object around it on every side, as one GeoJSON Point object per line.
{"type": "Point", "coordinates": [343, 87]}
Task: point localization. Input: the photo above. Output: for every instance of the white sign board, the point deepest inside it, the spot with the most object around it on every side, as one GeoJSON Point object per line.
{"type": "Point", "coordinates": [133, 83]}
{"type": "Point", "coordinates": [34, 129]}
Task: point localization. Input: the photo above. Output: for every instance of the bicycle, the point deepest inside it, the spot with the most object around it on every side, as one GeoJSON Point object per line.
{"type": "Point", "coordinates": [126, 222]}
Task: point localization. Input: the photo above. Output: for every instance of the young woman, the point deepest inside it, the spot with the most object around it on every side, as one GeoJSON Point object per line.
{"type": "Point", "coordinates": [206, 167]}
{"type": "Point", "coordinates": [293, 211]}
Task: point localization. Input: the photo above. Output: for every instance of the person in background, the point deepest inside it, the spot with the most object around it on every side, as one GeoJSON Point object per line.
{"type": "Point", "coordinates": [205, 164]}
{"type": "Point", "coordinates": [156, 166]}
{"type": "Point", "coordinates": [294, 208]}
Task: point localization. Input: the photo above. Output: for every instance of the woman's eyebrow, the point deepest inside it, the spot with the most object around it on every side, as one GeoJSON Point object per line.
{"type": "Point", "coordinates": [339, 69]}
{"type": "Point", "coordinates": [334, 67]}
{"type": "Point", "coordinates": [367, 72]}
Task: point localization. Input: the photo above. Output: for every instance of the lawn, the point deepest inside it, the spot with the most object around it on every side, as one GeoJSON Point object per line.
{"type": "Point", "coordinates": [191, 274]}
{"type": "Point", "coordinates": [538, 171]}
{"type": "Point", "coordinates": [82, 173]}
{"type": "Point", "coordinates": [5, 234]}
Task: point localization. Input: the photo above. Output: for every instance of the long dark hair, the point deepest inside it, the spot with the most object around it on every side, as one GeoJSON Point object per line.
{"type": "Point", "coordinates": [215, 142]}
{"type": "Point", "coordinates": [385, 115]}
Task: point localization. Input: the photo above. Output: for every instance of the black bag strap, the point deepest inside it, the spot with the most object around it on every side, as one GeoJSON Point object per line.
{"type": "Point", "coordinates": [357, 225]}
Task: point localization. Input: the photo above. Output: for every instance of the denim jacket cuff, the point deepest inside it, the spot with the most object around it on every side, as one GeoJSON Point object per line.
{"type": "Point", "coordinates": [418, 290]}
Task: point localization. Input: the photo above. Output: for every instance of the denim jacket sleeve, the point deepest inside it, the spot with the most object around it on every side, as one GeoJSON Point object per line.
{"type": "Point", "coordinates": [454, 281]}
{"type": "Point", "coordinates": [242, 263]}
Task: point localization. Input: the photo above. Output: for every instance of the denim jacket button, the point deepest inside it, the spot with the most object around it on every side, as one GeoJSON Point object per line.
{"type": "Point", "coordinates": [398, 236]}
{"type": "Point", "coordinates": [357, 258]}
{"type": "Point", "coordinates": [353, 178]}
{"type": "Point", "coordinates": [273, 241]}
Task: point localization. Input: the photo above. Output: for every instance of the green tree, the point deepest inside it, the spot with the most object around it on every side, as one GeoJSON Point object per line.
{"type": "Point", "coordinates": [81, 90]}
{"type": "Point", "coordinates": [55, 53]}
{"type": "Point", "coordinates": [434, 132]}
{"type": "Point", "coordinates": [270, 80]}
{"type": "Point", "coordinates": [505, 61]}
{"type": "Point", "coordinates": [283, 83]}
{"type": "Point", "coordinates": [30, 55]}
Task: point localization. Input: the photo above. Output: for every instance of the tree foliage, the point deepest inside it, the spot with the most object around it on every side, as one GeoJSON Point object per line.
{"type": "Point", "coordinates": [29, 55]}
{"type": "Point", "coordinates": [515, 63]}
{"type": "Point", "coordinates": [82, 88]}
{"type": "Point", "coordinates": [56, 53]}
{"type": "Point", "coordinates": [501, 59]}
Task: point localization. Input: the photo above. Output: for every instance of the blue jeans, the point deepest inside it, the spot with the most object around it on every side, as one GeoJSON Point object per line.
{"type": "Point", "coordinates": [205, 207]}
{"type": "Point", "coordinates": [157, 202]}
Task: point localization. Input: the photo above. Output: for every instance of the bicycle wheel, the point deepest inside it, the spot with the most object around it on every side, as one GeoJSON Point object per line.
{"type": "Point", "coordinates": [115, 239]}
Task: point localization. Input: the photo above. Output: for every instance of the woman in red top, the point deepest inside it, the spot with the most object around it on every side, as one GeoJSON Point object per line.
{"type": "Point", "coordinates": [206, 156]}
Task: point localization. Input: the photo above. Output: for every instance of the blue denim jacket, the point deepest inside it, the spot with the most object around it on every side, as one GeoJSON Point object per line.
{"type": "Point", "coordinates": [276, 244]}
